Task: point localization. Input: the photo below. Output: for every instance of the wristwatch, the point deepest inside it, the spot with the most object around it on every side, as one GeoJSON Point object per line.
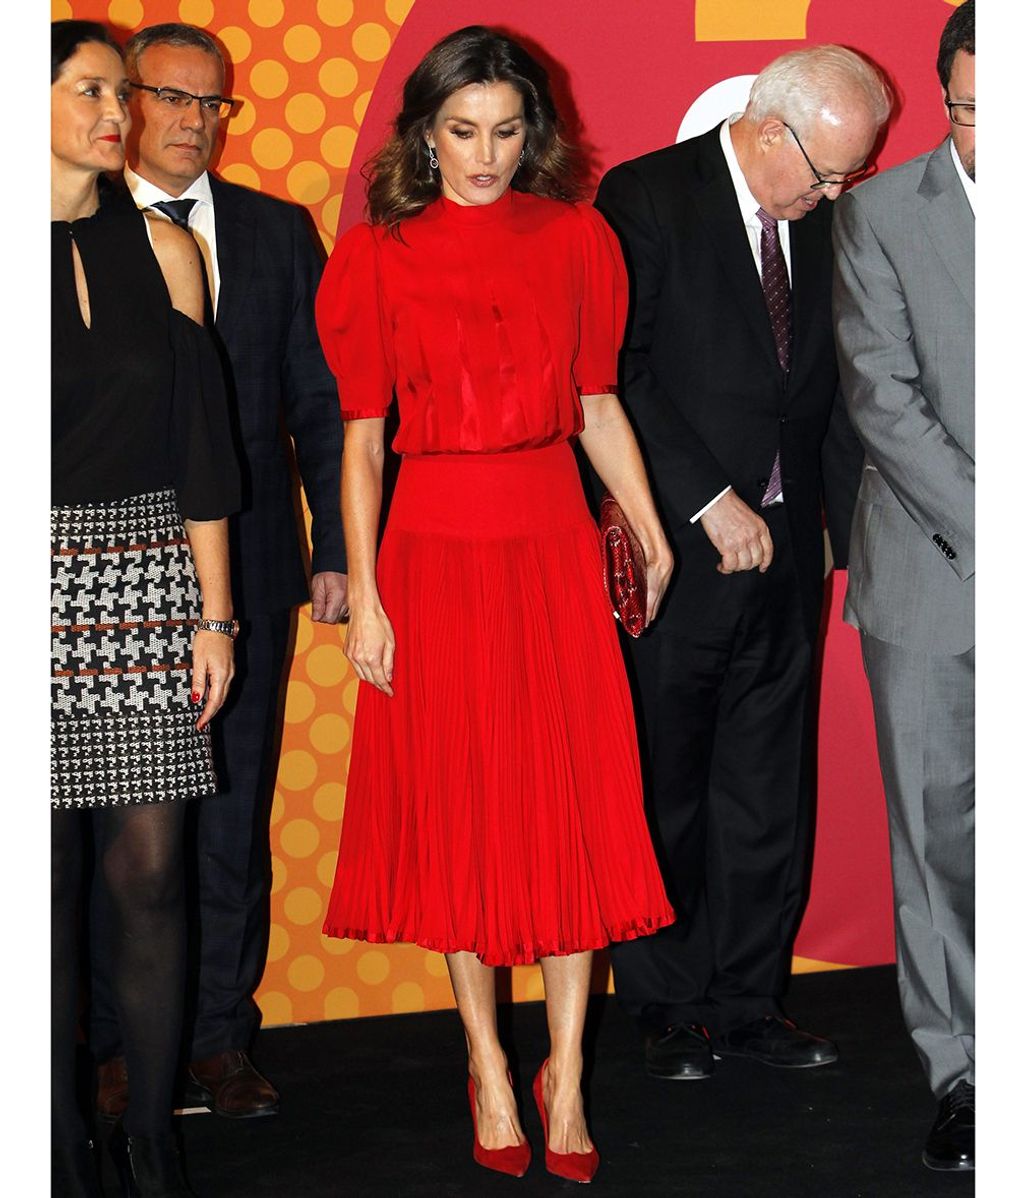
{"type": "Point", "coordinates": [228, 627]}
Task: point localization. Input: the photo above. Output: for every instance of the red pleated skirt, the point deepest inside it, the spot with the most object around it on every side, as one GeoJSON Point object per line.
{"type": "Point", "coordinates": [494, 804]}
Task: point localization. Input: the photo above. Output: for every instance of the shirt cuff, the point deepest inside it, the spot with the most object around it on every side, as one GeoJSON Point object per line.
{"type": "Point", "coordinates": [363, 413]}
{"type": "Point", "coordinates": [708, 506]}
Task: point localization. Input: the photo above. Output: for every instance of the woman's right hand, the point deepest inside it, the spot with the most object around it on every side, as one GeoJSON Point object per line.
{"type": "Point", "coordinates": [370, 645]}
{"type": "Point", "coordinates": [660, 564]}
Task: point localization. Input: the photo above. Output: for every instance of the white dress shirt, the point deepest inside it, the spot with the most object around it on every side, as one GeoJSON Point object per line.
{"type": "Point", "coordinates": [748, 211]}
{"type": "Point", "coordinates": [201, 222]}
{"type": "Point", "coordinates": [965, 178]}
{"type": "Point", "coordinates": [748, 205]}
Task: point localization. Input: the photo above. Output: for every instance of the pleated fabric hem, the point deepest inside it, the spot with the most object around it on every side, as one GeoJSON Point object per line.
{"type": "Point", "coordinates": [494, 803]}
{"type": "Point", "coordinates": [519, 955]}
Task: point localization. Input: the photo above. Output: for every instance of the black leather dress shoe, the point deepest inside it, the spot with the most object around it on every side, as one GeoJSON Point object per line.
{"type": "Point", "coordinates": [950, 1143]}
{"type": "Point", "coordinates": [776, 1041]}
{"type": "Point", "coordinates": [231, 1085]}
{"type": "Point", "coordinates": [679, 1053]}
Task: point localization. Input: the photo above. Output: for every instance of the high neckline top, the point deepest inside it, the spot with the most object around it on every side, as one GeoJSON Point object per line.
{"type": "Point", "coordinates": [478, 214]}
{"type": "Point", "coordinates": [488, 322]}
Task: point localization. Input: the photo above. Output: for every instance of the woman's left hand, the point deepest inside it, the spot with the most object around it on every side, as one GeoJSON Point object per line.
{"type": "Point", "coordinates": [213, 667]}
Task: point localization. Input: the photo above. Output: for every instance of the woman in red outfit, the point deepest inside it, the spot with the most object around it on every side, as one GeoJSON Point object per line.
{"type": "Point", "coordinates": [494, 809]}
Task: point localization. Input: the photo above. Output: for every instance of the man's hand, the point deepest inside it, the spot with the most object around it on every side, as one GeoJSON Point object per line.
{"type": "Point", "coordinates": [739, 535]}
{"type": "Point", "coordinates": [329, 591]}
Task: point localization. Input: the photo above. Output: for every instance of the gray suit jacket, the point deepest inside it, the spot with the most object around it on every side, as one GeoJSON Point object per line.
{"type": "Point", "coordinates": [903, 306]}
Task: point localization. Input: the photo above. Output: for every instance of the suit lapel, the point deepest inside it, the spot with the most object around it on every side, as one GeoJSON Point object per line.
{"type": "Point", "coordinates": [236, 236]}
{"type": "Point", "coordinates": [948, 219]}
{"type": "Point", "coordinates": [808, 244]}
{"type": "Point", "coordinates": [719, 212]}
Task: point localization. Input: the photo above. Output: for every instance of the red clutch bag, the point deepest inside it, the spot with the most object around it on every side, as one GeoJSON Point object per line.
{"type": "Point", "coordinates": [625, 570]}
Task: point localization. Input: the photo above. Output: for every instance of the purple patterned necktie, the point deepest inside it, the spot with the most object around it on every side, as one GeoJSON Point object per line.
{"type": "Point", "coordinates": [775, 283]}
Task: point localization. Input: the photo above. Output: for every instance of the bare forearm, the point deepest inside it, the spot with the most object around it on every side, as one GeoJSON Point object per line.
{"type": "Point", "coordinates": [609, 443]}
{"type": "Point", "coordinates": [370, 643]}
{"type": "Point", "coordinates": [361, 475]}
{"type": "Point", "coordinates": [209, 542]}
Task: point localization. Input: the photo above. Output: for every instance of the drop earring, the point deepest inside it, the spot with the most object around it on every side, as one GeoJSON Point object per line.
{"type": "Point", "coordinates": [433, 158]}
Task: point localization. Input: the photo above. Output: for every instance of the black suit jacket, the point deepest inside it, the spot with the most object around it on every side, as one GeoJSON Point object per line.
{"type": "Point", "coordinates": [269, 272]}
{"type": "Point", "coordinates": [700, 373]}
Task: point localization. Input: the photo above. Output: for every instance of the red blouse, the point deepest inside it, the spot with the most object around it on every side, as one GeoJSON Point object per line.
{"type": "Point", "coordinates": [487, 321]}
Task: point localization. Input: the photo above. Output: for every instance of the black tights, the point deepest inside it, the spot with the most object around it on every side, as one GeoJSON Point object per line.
{"type": "Point", "coordinates": [139, 850]}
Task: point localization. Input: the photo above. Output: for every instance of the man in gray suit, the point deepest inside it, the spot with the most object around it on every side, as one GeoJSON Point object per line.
{"type": "Point", "coordinates": [904, 315]}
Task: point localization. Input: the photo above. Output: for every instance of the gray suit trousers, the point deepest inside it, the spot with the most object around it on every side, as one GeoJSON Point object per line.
{"type": "Point", "coordinates": [924, 715]}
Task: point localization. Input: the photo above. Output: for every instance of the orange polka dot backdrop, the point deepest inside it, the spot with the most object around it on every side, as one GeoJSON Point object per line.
{"type": "Point", "coordinates": [304, 71]}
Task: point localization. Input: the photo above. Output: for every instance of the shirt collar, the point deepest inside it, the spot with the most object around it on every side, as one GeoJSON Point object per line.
{"type": "Point", "coordinates": [748, 205]}
{"type": "Point", "coordinates": [965, 178]}
{"type": "Point", "coordinates": [145, 194]}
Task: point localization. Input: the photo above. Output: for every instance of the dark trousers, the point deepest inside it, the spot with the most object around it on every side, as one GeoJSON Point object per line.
{"type": "Point", "coordinates": [227, 855]}
{"type": "Point", "coordinates": [722, 682]}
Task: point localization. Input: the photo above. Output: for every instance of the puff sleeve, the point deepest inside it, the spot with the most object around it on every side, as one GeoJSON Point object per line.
{"type": "Point", "coordinates": [353, 326]}
{"type": "Point", "coordinates": [203, 455]}
{"type": "Point", "coordinates": [603, 305]}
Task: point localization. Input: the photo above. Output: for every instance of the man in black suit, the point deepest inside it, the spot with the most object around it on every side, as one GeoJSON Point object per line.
{"type": "Point", "coordinates": [263, 270]}
{"type": "Point", "coordinates": [729, 374]}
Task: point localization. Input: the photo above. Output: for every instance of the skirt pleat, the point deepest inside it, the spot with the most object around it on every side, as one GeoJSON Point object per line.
{"type": "Point", "coordinates": [494, 804]}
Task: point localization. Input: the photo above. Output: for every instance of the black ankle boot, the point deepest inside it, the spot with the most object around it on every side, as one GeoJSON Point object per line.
{"type": "Point", "coordinates": [149, 1166]}
{"type": "Point", "coordinates": [73, 1171]}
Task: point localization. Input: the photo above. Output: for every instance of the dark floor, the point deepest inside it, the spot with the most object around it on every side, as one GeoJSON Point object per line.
{"type": "Point", "coordinates": [377, 1107]}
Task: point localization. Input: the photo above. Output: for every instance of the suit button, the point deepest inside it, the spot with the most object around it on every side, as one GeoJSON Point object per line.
{"type": "Point", "coordinates": [937, 539]}
{"type": "Point", "coordinates": [782, 419]}
{"type": "Point", "coordinates": [950, 553]}
{"type": "Point", "coordinates": [761, 483]}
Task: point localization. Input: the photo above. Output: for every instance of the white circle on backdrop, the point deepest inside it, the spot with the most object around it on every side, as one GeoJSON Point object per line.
{"type": "Point", "coordinates": [712, 106]}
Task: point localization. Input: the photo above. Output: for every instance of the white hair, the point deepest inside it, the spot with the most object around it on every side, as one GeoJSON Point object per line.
{"type": "Point", "coordinates": [801, 85]}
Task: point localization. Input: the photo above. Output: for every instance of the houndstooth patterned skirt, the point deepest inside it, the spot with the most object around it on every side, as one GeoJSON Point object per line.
{"type": "Point", "coordinates": [124, 601]}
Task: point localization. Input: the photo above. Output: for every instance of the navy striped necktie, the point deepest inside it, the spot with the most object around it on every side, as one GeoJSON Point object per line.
{"type": "Point", "coordinates": [177, 210]}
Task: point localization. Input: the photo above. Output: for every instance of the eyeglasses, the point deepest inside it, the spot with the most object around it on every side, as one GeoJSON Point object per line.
{"type": "Point", "coordinates": [961, 113]}
{"type": "Point", "coordinates": [219, 106]}
{"type": "Point", "coordinates": [824, 181]}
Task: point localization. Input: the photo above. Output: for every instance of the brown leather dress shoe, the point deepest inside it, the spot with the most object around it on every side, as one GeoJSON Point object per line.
{"type": "Point", "coordinates": [232, 1086]}
{"type": "Point", "coordinates": [112, 1090]}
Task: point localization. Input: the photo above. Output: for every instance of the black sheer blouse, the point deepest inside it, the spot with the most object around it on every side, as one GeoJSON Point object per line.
{"type": "Point", "coordinates": [138, 399]}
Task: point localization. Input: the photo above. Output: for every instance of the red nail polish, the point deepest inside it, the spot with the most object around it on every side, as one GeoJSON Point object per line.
{"type": "Point", "coordinates": [195, 696]}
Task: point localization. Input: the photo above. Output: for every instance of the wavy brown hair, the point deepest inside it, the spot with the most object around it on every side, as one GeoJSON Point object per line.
{"type": "Point", "coordinates": [400, 180]}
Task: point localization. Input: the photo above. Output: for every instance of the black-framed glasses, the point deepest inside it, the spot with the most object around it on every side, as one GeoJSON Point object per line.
{"type": "Point", "coordinates": [824, 181]}
{"type": "Point", "coordinates": [961, 112]}
{"type": "Point", "coordinates": [174, 98]}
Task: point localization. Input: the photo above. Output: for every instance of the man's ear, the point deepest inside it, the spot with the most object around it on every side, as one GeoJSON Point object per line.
{"type": "Point", "coordinates": [770, 132]}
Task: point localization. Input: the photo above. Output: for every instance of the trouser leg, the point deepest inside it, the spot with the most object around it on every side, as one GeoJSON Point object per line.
{"type": "Point", "coordinates": [230, 848]}
{"type": "Point", "coordinates": [924, 717]}
{"type": "Point", "coordinates": [723, 691]}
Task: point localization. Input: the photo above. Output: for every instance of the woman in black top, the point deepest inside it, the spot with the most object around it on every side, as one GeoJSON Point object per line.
{"type": "Point", "coordinates": [143, 478]}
